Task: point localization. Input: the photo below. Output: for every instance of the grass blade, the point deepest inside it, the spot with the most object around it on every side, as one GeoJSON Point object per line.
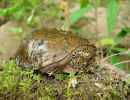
{"type": "Point", "coordinates": [121, 50]}
{"type": "Point", "coordinates": [116, 59]}
{"type": "Point", "coordinates": [111, 15]}
{"type": "Point", "coordinates": [120, 36]}
{"type": "Point", "coordinates": [75, 16]}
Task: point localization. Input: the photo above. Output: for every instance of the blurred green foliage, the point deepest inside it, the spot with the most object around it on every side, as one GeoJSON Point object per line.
{"type": "Point", "coordinates": [111, 15]}
{"type": "Point", "coordinates": [18, 10]}
{"type": "Point", "coordinates": [27, 10]}
{"type": "Point", "coordinates": [114, 58]}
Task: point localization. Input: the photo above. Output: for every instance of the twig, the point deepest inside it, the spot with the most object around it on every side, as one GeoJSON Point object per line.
{"type": "Point", "coordinates": [64, 5]}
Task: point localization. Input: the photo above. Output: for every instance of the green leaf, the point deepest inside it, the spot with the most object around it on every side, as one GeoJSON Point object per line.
{"type": "Point", "coordinates": [120, 36]}
{"type": "Point", "coordinates": [75, 16]}
{"type": "Point", "coordinates": [111, 15]}
{"type": "Point", "coordinates": [127, 30]}
{"type": "Point", "coordinates": [84, 3]}
{"type": "Point", "coordinates": [116, 59]}
{"type": "Point", "coordinates": [107, 41]}
{"type": "Point", "coordinates": [121, 50]}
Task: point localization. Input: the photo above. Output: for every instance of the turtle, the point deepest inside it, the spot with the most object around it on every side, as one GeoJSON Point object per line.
{"type": "Point", "coordinates": [51, 51]}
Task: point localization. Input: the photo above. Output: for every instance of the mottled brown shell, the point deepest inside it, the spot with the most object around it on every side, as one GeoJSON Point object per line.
{"type": "Point", "coordinates": [53, 51]}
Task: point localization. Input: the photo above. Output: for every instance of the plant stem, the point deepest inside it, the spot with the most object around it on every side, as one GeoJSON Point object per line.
{"type": "Point", "coordinates": [67, 18]}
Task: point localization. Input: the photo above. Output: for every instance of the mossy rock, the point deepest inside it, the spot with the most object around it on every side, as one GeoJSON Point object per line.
{"type": "Point", "coordinates": [95, 83]}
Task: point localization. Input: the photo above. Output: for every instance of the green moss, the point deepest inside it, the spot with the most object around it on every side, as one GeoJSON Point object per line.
{"type": "Point", "coordinates": [60, 76]}
{"type": "Point", "coordinates": [96, 83]}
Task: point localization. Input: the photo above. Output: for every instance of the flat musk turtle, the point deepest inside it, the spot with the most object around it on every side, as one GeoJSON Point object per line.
{"type": "Point", "coordinates": [54, 51]}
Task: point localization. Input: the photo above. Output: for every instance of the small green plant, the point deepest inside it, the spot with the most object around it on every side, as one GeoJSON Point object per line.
{"type": "Point", "coordinates": [19, 10]}
{"type": "Point", "coordinates": [72, 80]}
{"type": "Point", "coordinates": [114, 59]}
{"type": "Point", "coordinates": [71, 85]}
